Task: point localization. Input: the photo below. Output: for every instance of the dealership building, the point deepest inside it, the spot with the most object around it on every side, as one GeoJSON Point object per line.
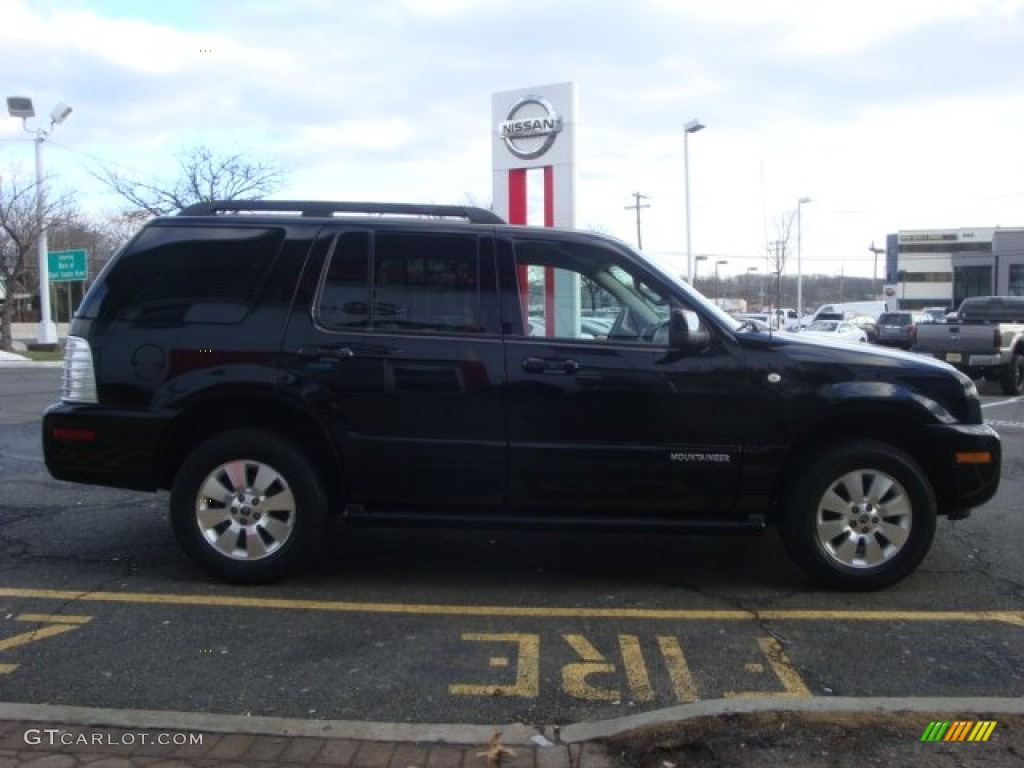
{"type": "Point", "coordinates": [942, 267]}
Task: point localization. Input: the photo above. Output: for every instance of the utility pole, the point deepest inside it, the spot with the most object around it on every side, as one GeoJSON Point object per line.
{"type": "Point", "coordinates": [636, 206]}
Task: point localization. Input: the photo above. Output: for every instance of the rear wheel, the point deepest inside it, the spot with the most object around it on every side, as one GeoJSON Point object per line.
{"type": "Point", "coordinates": [1012, 379]}
{"type": "Point", "coordinates": [248, 508]}
{"type": "Point", "coordinates": [861, 517]}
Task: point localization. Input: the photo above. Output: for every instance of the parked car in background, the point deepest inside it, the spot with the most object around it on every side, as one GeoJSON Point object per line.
{"type": "Point", "coordinates": [597, 327]}
{"type": "Point", "coordinates": [899, 329]}
{"type": "Point", "coordinates": [834, 330]}
{"type": "Point", "coordinates": [984, 340]}
{"type": "Point", "coordinates": [846, 310]}
{"type": "Point", "coordinates": [867, 324]}
{"type": "Point", "coordinates": [759, 321]}
{"type": "Point", "coordinates": [590, 327]}
{"type": "Point", "coordinates": [787, 319]}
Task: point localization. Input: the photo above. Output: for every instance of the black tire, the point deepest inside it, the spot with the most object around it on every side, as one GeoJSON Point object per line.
{"type": "Point", "coordinates": [248, 508]}
{"type": "Point", "coordinates": [1012, 379]}
{"type": "Point", "coordinates": [865, 537]}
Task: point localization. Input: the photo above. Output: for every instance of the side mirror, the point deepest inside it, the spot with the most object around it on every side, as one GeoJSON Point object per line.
{"type": "Point", "coordinates": [685, 330]}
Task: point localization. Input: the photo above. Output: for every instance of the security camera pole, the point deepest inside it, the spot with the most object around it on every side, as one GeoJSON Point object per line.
{"type": "Point", "coordinates": [20, 106]}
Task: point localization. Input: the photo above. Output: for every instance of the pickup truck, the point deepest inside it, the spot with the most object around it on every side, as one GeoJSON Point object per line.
{"type": "Point", "coordinates": [985, 341]}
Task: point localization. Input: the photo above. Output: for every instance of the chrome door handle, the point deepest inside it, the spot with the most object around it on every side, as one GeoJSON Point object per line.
{"type": "Point", "coordinates": [540, 365]}
{"type": "Point", "coordinates": [317, 351]}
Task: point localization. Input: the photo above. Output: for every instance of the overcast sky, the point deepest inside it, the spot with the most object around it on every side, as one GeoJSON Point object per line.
{"type": "Point", "coordinates": [888, 114]}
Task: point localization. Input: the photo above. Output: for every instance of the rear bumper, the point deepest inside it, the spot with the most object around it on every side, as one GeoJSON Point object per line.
{"type": "Point", "coordinates": [100, 446]}
{"type": "Point", "coordinates": [966, 361]}
{"type": "Point", "coordinates": [965, 463]}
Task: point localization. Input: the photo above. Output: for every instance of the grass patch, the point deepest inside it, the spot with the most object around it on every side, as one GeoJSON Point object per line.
{"type": "Point", "coordinates": [41, 356]}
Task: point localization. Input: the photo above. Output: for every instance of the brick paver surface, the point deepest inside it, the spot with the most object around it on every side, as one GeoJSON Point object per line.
{"type": "Point", "coordinates": [38, 745]}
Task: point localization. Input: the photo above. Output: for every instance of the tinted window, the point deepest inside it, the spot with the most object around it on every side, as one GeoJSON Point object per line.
{"type": "Point", "coordinates": [582, 291]}
{"type": "Point", "coordinates": [426, 282]}
{"type": "Point", "coordinates": [345, 296]}
{"type": "Point", "coordinates": [420, 282]}
{"type": "Point", "coordinates": [195, 274]}
{"type": "Point", "coordinates": [894, 318]}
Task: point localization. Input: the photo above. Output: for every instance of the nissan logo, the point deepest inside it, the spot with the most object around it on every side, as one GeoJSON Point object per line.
{"type": "Point", "coordinates": [531, 127]}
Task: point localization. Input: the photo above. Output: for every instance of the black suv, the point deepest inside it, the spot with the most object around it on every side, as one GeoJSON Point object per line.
{"type": "Point", "coordinates": [272, 363]}
{"type": "Point", "coordinates": [899, 329]}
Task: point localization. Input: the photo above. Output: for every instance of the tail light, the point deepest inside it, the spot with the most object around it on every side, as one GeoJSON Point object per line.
{"type": "Point", "coordinates": [78, 384]}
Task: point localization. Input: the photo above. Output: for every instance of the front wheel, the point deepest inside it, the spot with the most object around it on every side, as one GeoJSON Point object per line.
{"type": "Point", "coordinates": [248, 508]}
{"type": "Point", "coordinates": [1012, 379]}
{"type": "Point", "coordinates": [861, 516]}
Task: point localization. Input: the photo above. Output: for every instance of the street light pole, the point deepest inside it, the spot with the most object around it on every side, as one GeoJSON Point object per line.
{"type": "Point", "coordinates": [20, 106]}
{"type": "Point", "coordinates": [799, 265]}
{"type": "Point", "coordinates": [696, 262]}
{"type": "Point", "coordinates": [691, 127]}
{"type": "Point", "coordinates": [717, 264]}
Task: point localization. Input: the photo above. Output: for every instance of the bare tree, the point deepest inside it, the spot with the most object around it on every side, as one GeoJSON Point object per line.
{"type": "Point", "coordinates": [777, 251]}
{"type": "Point", "coordinates": [202, 176]}
{"type": "Point", "coordinates": [20, 227]}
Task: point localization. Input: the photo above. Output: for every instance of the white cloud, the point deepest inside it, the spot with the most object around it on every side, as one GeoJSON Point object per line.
{"type": "Point", "coordinates": [890, 115]}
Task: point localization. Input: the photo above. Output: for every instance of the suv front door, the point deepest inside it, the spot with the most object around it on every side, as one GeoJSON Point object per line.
{"type": "Point", "coordinates": [614, 423]}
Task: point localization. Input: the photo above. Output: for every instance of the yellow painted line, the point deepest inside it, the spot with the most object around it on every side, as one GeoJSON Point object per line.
{"type": "Point", "coordinates": [510, 611]}
{"type": "Point", "coordinates": [52, 618]}
{"type": "Point", "coordinates": [678, 669]}
{"type": "Point", "coordinates": [527, 683]}
{"type": "Point", "coordinates": [37, 634]}
{"type": "Point", "coordinates": [791, 681]}
{"type": "Point", "coordinates": [636, 669]}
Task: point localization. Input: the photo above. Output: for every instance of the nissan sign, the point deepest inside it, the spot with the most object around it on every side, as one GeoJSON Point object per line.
{"type": "Point", "coordinates": [530, 128]}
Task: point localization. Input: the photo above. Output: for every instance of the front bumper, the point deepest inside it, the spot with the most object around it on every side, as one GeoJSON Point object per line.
{"type": "Point", "coordinates": [964, 462]}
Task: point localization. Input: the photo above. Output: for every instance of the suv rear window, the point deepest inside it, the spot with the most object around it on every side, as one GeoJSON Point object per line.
{"type": "Point", "coordinates": [194, 274]}
{"type": "Point", "coordinates": [895, 318]}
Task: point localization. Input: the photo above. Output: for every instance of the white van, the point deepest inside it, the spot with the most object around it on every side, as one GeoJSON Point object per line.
{"type": "Point", "coordinates": [848, 309]}
{"type": "Point", "coordinates": [787, 319]}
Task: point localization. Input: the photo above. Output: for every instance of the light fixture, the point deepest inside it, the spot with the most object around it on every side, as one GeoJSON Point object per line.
{"type": "Point", "coordinates": [59, 113]}
{"type": "Point", "coordinates": [22, 107]}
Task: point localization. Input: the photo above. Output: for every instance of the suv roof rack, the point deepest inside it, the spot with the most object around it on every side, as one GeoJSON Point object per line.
{"type": "Point", "coordinates": [324, 209]}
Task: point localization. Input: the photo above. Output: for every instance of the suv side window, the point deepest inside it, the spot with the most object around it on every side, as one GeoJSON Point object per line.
{"type": "Point", "coordinates": [345, 297]}
{"type": "Point", "coordinates": [408, 281]}
{"type": "Point", "coordinates": [585, 292]}
{"type": "Point", "coordinates": [194, 274]}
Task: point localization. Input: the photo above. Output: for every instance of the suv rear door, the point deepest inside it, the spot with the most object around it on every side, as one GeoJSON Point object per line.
{"type": "Point", "coordinates": [394, 340]}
